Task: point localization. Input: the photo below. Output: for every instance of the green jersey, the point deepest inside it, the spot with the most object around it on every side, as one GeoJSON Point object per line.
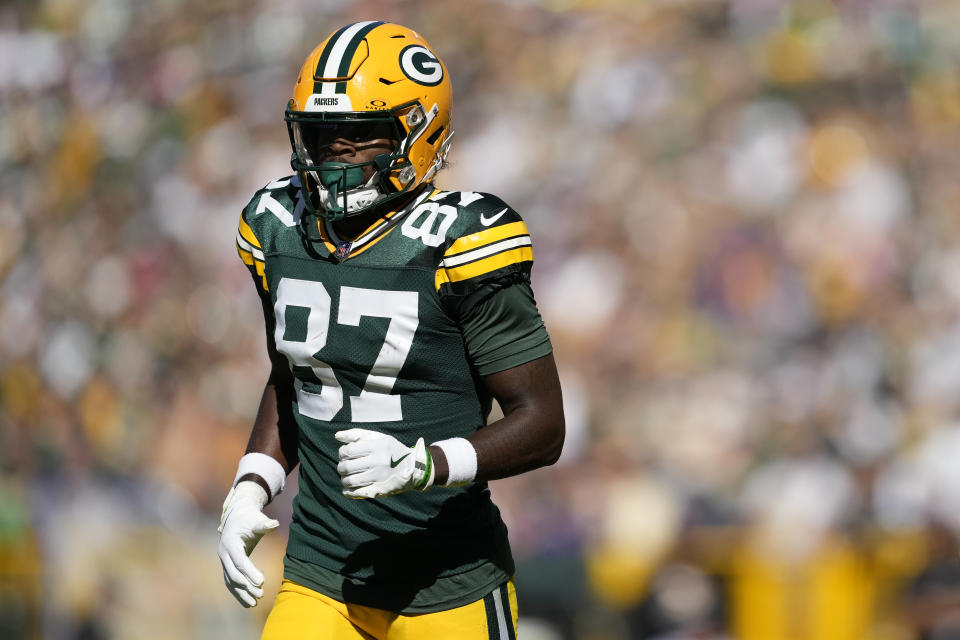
{"type": "Point", "coordinates": [392, 332]}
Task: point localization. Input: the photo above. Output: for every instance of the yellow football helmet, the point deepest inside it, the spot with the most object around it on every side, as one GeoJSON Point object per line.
{"type": "Point", "coordinates": [369, 80]}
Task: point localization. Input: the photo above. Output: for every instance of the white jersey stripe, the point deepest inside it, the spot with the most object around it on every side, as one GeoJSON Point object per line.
{"type": "Point", "coordinates": [489, 250]}
{"type": "Point", "coordinates": [249, 248]}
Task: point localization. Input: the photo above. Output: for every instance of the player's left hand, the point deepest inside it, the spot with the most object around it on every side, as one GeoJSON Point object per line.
{"type": "Point", "coordinates": [242, 524]}
{"type": "Point", "coordinates": [374, 464]}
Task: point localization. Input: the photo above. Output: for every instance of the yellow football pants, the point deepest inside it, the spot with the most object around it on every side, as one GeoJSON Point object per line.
{"type": "Point", "coordinates": [300, 613]}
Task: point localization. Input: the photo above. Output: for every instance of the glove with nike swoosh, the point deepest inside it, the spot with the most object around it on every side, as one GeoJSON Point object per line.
{"type": "Point", "coordinates": [374, 464]}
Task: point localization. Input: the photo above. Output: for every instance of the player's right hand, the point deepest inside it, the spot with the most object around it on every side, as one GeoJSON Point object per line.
{"type": "Point", "coordinates": [242, 524]}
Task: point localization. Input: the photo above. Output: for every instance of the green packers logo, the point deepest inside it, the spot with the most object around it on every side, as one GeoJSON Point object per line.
{"type": "Point", "coordinates": [420, 65]}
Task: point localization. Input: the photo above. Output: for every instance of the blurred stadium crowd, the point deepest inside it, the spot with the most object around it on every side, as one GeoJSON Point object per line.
{"type": "Point", "coordinates": [745, 218]}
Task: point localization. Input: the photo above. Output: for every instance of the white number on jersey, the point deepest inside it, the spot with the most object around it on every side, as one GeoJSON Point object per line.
{"type": "Point", "coordinates": [375, 402]}
{"type": "Point", "coordinates": [413, 227]}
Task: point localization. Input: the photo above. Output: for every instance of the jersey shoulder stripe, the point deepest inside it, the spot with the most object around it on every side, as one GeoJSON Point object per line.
{"type": "Point", "coordinates": [478, 239]}
{"type": "Point", "coordinates": [489, 266]}
{"type": "Point", "coordinates": [248, 248]}
{"type": "Point", "coordinates": [252, 257]}
{"type": "Point", "coordinates": [256, 266]}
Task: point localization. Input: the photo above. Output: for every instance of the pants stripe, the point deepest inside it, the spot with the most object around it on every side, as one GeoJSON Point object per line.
{"type": "Point", "coordinates": [507, 613]}
{"type": "Point", "coordinates": [501, 620]}
{"type": "Point", "coordinates": [493, 625]}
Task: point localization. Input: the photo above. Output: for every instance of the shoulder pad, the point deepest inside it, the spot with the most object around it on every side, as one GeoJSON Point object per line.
{"type": "Point", "coordinates": [280, 198]}
{"type": "Point", "coordinates": [271, 209]}
{"type": "Point", "coordinates": [476, 212]}
{"type": "Point", "coordinates": [488, 241]}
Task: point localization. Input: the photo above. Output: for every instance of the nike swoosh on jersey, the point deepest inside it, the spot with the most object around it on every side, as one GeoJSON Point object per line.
{"type": "Point", "coordinates": [394, 463]}
{"type": "Point", "coordinates": [485, 221]}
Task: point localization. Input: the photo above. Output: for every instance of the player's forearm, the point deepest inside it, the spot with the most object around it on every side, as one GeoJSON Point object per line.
{"type": "Point", "coordinates": [531, 433]}
{"type": "Point", "coordinates": [516, 444]}
{"type": "Point", "coordinates": [274, 430]}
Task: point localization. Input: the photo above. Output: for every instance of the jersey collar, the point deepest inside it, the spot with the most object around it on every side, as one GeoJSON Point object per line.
{"type": "Point", "coordinates": [341, 249]}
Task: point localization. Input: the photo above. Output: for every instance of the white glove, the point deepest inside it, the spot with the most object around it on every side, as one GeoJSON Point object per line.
{"type": "Point", "coordinates": [374, 464]}
{"type": "Point", "coordinates": [242, 524]}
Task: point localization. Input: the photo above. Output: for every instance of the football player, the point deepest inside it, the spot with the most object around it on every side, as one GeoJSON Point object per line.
{"type": "Point", "coordinates": [395, 313]}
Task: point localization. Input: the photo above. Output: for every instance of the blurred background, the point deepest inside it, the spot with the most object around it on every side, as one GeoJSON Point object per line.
{"type": "Point", "coordinates": [745, 218]}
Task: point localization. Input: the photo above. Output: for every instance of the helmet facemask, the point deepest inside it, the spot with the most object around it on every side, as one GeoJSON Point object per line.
{"type": "Point", "coordinates": [335, 189]}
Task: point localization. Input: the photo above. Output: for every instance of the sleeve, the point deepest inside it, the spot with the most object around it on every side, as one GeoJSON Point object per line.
{"type": "Point", "coordinates": [484, 282]}
{"type": "Point", "coordinates": [504, 329]}
{"type": "Point", "coordinates": [251, 252]}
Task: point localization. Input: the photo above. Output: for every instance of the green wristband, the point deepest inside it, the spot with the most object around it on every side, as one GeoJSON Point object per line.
{"type": "Point", "coordinates": [427, 472]}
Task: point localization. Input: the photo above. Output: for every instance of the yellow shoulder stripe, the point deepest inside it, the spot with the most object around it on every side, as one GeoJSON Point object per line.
{"type": "Point", "coordinates": [480, 267]}
{"type": "Point", "coordinates": [480, 238]}
{"type": "Point", "coordinates": [441, 278]}
{"type": "Point", "coordinates": [258, 265]}
{"type": "Point", "coordinates": [245, 255]}
{"type": "Point", "coordinates": [248, 234]}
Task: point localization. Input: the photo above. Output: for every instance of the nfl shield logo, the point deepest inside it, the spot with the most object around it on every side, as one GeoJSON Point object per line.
{"type": "Point", "coordinates": [343, 250]}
